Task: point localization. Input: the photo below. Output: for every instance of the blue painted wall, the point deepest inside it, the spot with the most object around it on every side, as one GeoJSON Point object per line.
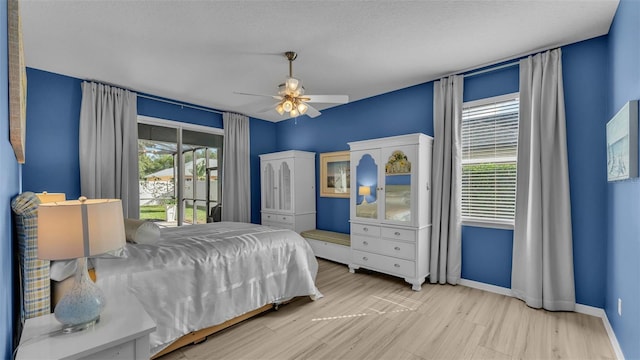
{"type": "Point", "coordinates": [623, 206]}
{"type": "Point", "coordinates": [584, 66]}
{"type": "Point", "coordinates": [9, 188]}
{"type": "Point", "coordinates": [263, 141]}
{"type": "Point", "coordinates": [53, 103]}
{"type": "Point", "coordinates": [52, 135]}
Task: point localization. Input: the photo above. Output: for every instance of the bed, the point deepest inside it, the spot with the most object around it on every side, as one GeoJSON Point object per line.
{"type": "Point", "coordinates": [198, 279]}
{"type": "Point", "coordinates": [202, 275]}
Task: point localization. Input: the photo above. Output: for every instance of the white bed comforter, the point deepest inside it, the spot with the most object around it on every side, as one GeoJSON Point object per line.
{"type": "Point", "coordinates": [202, 275]}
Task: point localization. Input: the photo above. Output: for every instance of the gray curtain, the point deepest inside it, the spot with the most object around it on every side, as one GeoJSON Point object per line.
{"type": "Point", "coordinates": [446, 253]}
{"type": "Point", "coordinates": [108, 146]}
{"type": "Point", "coordinates": [236, 174]}
{"type": "Point", "coordinates": [542, 271]}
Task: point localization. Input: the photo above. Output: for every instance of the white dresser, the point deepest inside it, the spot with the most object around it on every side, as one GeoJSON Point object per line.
{"type": "Point", "coordinates": [288, 189]}
{"type": "Point", "coordinates": [390, 206]}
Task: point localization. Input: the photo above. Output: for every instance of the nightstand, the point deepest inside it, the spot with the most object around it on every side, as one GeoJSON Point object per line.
{"type": "Point", "coordinates": [122, 333]}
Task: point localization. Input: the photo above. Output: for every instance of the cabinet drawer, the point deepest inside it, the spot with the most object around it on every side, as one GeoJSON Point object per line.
{"type": "Point", "coordinates": [122, 351]}
{"type": "Point", "coordinates": [272, 218]}
{"type": "Point", "coordinates": [384, 264]}
{"type": "Point", "coordinates": [363, 229]}
{"type": "Point", "coordinates": [399, 234]}
{"type": "Point", "coordinates": [384, 247]}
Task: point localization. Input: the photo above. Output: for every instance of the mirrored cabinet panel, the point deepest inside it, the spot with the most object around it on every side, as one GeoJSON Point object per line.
{"type": "Point", "coordinates": [288, 193]}
{"type": "Point", "coordinates": [268, 182]}
{"type": "Point", "coordinates": [397, 180]}
{"type": "Point", "coordinates": [285, 185]}
{"type": "Point", "coordinates": [391, 206]}
{"type": "Point", "coordinates": [366, 199]}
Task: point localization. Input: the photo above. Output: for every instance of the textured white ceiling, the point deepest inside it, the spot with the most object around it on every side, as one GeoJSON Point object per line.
{"type": "Point", "coordinates": [201, 52]}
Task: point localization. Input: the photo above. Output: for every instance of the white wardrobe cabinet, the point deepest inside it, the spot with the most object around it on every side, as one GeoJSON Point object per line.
{"type": "Point", "coordinates": [390, 206]}
{"type": "Point", "coordinates": [288, 191]}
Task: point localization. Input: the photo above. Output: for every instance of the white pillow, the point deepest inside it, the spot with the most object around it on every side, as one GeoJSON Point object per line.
{"type": "Point", "coordinates": [141, 231]}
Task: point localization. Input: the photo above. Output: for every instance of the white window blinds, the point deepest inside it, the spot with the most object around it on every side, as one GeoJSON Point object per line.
{"type": "Point", "coordinates": [489, 153]}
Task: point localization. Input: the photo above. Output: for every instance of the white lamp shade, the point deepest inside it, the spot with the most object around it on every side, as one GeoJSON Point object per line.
{"type": "Point", "coordinates": [74, 229]}
{"type": "Point", "coordinates": [302, 107]}
{"type": "Point", "coordinates": [292, 84]}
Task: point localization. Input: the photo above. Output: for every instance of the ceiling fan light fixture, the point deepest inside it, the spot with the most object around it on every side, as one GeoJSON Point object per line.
{"type": "Point", "coordinates": [302, 107]}
{"type": "Point", "coordinates": [287, 105]}
{"type": "Point", "coordinates": [292, 99]}
{"type": "Point", "coordinates": [292, 84]}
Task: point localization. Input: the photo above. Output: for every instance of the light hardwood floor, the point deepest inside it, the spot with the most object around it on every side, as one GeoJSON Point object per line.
{"type": "Point", "coordinates": [373, 316]}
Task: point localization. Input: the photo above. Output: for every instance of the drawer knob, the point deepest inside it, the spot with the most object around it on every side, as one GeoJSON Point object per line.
{"type": "Point", "coordinates": [365, 243]}
{"type": "Point", "coordinates": [396, 265]}
{"type": "Point", "coordinates": [268, 216]}
{"type": "Point", "coordinates": [365, 229]}
{"type": "Point", "coordinates": [365, 258]}
{"type": "Point", "coordinates": [397, 233]}
{"type": "Point", "coordinates": [397, 248]}
{"type": "Point", "coordinates": [284, 218]}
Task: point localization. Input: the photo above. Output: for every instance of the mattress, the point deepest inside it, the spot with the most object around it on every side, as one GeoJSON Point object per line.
{"type": "Point", "coordinates": [202, 275]}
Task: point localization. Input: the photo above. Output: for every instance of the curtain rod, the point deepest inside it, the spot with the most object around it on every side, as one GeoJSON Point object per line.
{"type": "Point", "coordinates": [515, 60]}
{"type": "Point", "coordinates": [493, 68]}
{"type": "Point", "coordinates": [157, 98]}
{"type": "Point", "coordinates": [179, 104]}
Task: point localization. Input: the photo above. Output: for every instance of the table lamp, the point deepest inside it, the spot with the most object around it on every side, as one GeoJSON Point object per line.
{"type": "Point", "coordinates": [78, 229]}
{"type": "Point", "coordinates": [364, 191]}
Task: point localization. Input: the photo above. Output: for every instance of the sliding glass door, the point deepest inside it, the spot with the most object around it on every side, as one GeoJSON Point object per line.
{"type": "Point", "coordinates": [201, 154]}
{"type": "Point", "coordinates": [179, 168]}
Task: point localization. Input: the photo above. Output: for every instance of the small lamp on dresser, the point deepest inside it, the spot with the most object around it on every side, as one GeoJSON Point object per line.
{"type": "Point", "coordinates": [78, 229]}
{"type": "Point", "coordinates": [364, 191]}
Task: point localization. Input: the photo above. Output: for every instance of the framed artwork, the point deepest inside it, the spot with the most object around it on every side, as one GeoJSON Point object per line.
{"type": "Point", "coordinates": [622, 143]}
{"type": "Point", "coordinates": [335, 174]}
{"type": "Point", "coordinates": [17, 82]}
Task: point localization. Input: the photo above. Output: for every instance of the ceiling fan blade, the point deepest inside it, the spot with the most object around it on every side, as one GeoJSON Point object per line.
{"type": "Point", "coordinates": [332, 99]}
{"type": "Point", "coordinates": [277, 97]}
{"type": "Point", "coordinates": [265, 109]}
{"type": "Point", "coordinates": [312, 112]}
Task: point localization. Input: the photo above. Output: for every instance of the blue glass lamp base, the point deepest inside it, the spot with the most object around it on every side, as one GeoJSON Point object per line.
{"type": "Point", "coordinates": [81, 306]}
{"type": "Point", "coordinates": [68, 329]}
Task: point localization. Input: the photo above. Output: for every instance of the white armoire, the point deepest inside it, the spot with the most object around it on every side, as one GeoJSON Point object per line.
{"type": "Point", "coordinates": [390, 206]}
{"type": "Point", "coordinates": [288, 189]}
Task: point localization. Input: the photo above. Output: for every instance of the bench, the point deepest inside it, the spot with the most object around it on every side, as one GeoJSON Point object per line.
{"type": "Point", "coordinates": [329, 245]}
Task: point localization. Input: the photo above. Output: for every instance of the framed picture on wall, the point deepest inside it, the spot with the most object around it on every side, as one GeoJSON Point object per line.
{"type": "Point", "coordinates": [17, 82]}
{"type": "Point", "coordinates": [622, 143]}
{"type": "Point", "coordinates": [335, 174]}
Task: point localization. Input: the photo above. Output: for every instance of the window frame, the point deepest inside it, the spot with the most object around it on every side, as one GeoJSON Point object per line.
{"type": "Point", "coordinates": [507, 224]}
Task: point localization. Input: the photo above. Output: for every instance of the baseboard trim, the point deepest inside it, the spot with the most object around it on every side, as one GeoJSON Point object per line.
{"type": "Point", "coordinates": [612, 336]}
{"type": "Point", "coordinates": [486, 287]}
{"type": "Point", "coordinates": [580, 308]}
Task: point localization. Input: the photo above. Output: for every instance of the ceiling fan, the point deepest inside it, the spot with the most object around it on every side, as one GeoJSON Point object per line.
{"type": "Point", "coordinates": [292, 99]}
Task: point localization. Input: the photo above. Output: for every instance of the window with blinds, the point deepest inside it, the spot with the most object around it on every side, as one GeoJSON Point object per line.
{"type": "Point", "coordinates": [489, 154]}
